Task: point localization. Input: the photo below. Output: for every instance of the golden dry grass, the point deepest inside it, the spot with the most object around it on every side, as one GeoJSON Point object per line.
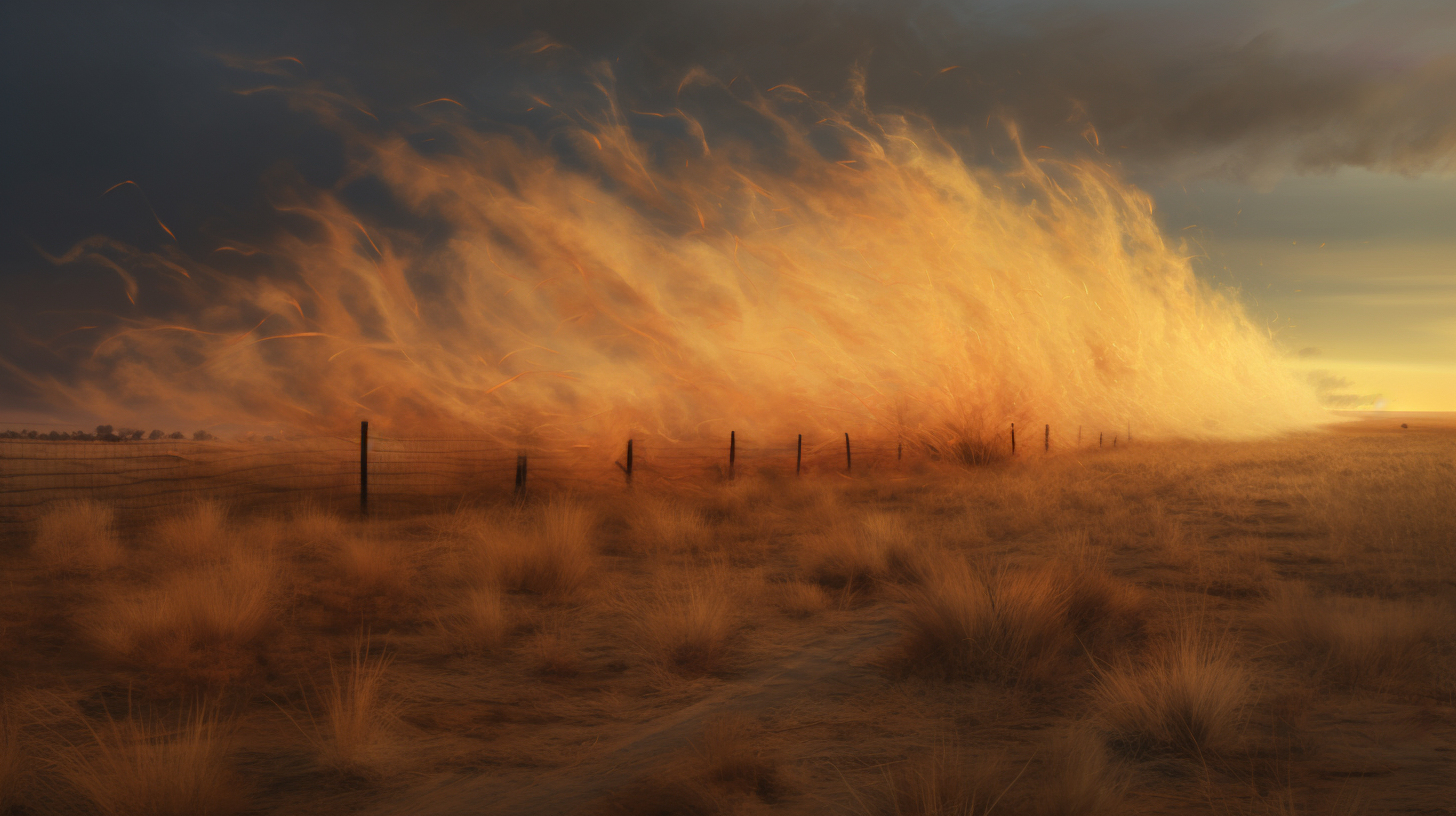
{"type": "Point", "coordinates": [552, 554]}
{"type": "Point", "coordinates": [78, 536]}
{"type": "Point", "coordinates": [1009, 626]}
{"type": "Point", "coordinates": [800, 600]}
{"type": "Point", "coordinates": [686, 622]}
{"type": "Point", "coordinates": [667, 525]}
{"type": "Point", "coordinates": [198, 627]}
{"type": "Point", "coordinates": [852, 556]}
{"type": "Point", "coordinates": [1353, 640]}
{"type": "Point", "coordinates": [1191, 694]}
{"type": "Point", "coordinates": [372, 573]}
{"type": "Point", "coordinates": [196, 533]}
{"type": "Point", "coordinates": [1083, 780]}
{"type": "Point", "coordinates": [314, 527]}
{"type": "Point", "coordinates": [777, 645]}
{"type": "Point", "coordinates": [947, 782]}
{"type": "Point", "coordinates": [145, 768]}
{"type": "Point", "coordinates": [480, 622]}
{"type": "Point", "coordinates": [355, 731]}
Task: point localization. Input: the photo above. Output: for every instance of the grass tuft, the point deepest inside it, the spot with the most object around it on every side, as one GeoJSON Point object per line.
{"type": "Point", "coordinates": [945, 783]}
{"type": "Point", "coordinates": [316, 528]}
{"type": "Point", "coordinates": [136, 769]}
{"type": "Point", "coordinates": [731, 758]}
{"type": "Point", "coordinates": [78, 536]}
{"type": "Point", "coordinates": [376, 573]}
{"type": "Point", "coordinates": [198, 533]}
{"type": "Point", "coordinates": [359, 718]}
{"type": "Point", "coordinates": [665, 525]}
{"type": "Point", "coordinates": [1006, 626]}
{"type": "Point", "coordinates": [199, 627]}
{"type": "Point", "coordinates": [800, 600]}
{"type": "Point", "coordinates": [1191, 696]}
{"type": "Point", "coordinates": [688, 628]}
{"type": "Point", "coordinates": [1354, 640]}
{"type": "Point", "coordinates": [1083, 781]}
{"type": "Point", "coordinates": [553, 557]}
{"type": "Point", "coordinates": [853, 557]}
{"type": "Point", "coordinates": [480, 623]}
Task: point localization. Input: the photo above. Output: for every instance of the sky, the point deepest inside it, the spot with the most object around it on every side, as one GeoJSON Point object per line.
{"type": "Point", "coordinates": [1304, 149]}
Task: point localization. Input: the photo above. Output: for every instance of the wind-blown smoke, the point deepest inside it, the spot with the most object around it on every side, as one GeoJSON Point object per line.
{"type": "Point", "coordinates": [636, 273]}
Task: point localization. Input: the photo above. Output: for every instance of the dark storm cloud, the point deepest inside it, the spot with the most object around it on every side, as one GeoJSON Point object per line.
{"type": "Point", "coordinates": [101, 93]}
{"type": "Point", "coordinates": [1230, 87]}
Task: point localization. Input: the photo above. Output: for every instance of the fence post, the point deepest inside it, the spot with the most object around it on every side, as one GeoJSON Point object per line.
{"type": "Point", "coordinates": [732, 452]}
{"type": "Point", "coordinates": [799, 457]}
{"type": "Point", "coordinates": [1099, 439]}
{"type": "Point", "coordinates": [1047, 442]}
{"type": "Point", "coordinates": [848, 462]}
{"type": "Point", "coordinates": [1114, 440]}
{"type": "Point", "coordinates": [628, 469]}
{"type": "Point", "coordinates": [1013, 439]}
{"type": "Point", "coordinates": [899, 450]}
{"type": "Point", "coordinates": [364, 468]}
{"type": "Point", "coordinates": [520, 475]}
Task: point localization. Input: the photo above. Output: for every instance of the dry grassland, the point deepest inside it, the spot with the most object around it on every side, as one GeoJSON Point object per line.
{"type": "Point", "coordinates": [1180, 628]}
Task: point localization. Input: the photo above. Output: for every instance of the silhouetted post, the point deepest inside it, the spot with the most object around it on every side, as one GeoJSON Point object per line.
{"type": "Point", "coordinates": [629, 463]}
{"type": "Point", "coordinates": [1114, 440]}
{"type": "Point", "coordinates": [1047, 442]}
{"type": "Point", "coordinates": [848, 462]}
{"type": "Point", "coordinates": [364, 468]}
{"type": "Point", "coordinates": [799, 457]}
{"type": "Point", "coordinates": [732, 451]}
{"type": "Point", "coordinates": [520, 475]}
{"type": "Point", "coordinates": [1099, 439]}
{"type": "Point", "coordinates": [899, 451]}
{"type": "Point", "coordinates": [1013, 439]}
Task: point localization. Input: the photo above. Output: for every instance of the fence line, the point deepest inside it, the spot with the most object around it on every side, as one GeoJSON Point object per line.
{"type": "Point", "coordinates": [382, 471]}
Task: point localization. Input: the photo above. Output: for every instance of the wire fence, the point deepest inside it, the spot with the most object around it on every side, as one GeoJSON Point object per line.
{"type": "Point", "coordinates": [142, 475]}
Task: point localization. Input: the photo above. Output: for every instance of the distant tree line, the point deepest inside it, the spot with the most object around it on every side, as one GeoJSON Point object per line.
{"type": "Point", "coordinates": [104, 433]}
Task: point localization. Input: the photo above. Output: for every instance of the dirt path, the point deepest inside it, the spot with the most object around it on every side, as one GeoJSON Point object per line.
{"type": "Point", "coordinates": [832, 664]}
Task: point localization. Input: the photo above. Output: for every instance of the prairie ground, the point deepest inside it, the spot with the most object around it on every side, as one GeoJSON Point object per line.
{"type": "Point", "coordinates": [1221, 628]}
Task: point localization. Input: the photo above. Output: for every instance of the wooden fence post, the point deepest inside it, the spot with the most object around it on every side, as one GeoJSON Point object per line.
{"type": "Point", "coordinates": [732, 451]}
{"type": "Point", "coordinates": [799, 457]}
{"type": "Point", "coordinates": [1047, 442]}
{"type": "Point", "coordinates": [364, 468]}
{"type": "Point", "coordinates": [520, 475]}
{"type": "Point", "coordinates": [1099, 439]}
{"type": "Point", "coordinates": [848, 462]}
{"type": "Point", "coordinates": [628, 469]}
{"type": "Point", "coordinates": [1013, 439]}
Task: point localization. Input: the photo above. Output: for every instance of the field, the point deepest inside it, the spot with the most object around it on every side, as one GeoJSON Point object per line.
{"type": "Point", "coordinates": [1192, 628]}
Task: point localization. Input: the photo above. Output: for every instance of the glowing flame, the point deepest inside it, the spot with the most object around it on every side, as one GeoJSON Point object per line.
{"type": "Point", "coordinates": [647, 285]}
